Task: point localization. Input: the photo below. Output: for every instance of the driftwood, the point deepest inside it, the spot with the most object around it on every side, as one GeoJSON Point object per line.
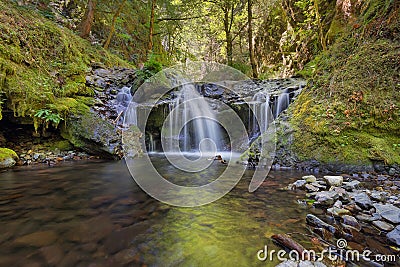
{"type": "Point", "coordinates": [287, 242]}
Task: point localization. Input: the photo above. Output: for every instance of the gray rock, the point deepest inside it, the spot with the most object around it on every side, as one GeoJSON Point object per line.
{"type": "Point", "coordinates": [379, 196]}
{"type": "Point", "coordinates": [334, 180]}
{"type": "Point", "coordinates": [394, 236]}
{"type": "Point", "coordinates": [383, 225]}
{"type": "Point", "coordinates": [309, 178]}
{"type": "Point", "coordinates": [363, 200]}
{"type": "Point", "coordinates": [8, 158]}
{"type": "Point", "coordinates": [299, 184]}
{"type": "Point", "coordinates": [327, 197]}
{"type": "Point", "coordinates": [320, 186]}
{"type": "Point", "coordinates": [311, 188]}
{"type": "Point", "coordinates": [338, 212]}
{"type": "Point", "coordinates": [350, 186]}
{"type": "Point", "coordinates": [350, 221]}
{"type": "Point", "coordinates": [288, 263]}
{"type": "Point", "coordinates": [315, 221]}
{"type": "Point", "coordinates": [368, 218]}
{"type": "Point", "coordinates": [392, 171]}
{"type": "Point", "coordinates": [389, 212]}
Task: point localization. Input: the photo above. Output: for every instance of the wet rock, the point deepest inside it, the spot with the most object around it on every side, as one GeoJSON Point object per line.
{"type": "Point", "coordinates": [309, 178]}
{"type": "Point", "coordinates": [126, 256]}
{"type": "Point", "coordinates": [350, 186]}
{"type": "Point", "coordinates": [311, 188]}
{"type": "Point", "coordinates": [327, 198]}
{"type": "Point", "coordinates": [363, 200]}
{"type": "Point", "coordinates": [334, 180]}
{"type": "Point", "coordinates": [52, 254]}
{"type": "Point", "coordinates": [394, 236]}
{"type": "Point", "coordinates": [389, 212]}
{"type": "Point", "coordinates": [383, 225]}
{"type": "Point", "coordinates": [37, 239]}
{"type": "Point", "coordinates": [315, 221]}
{"type": "Point", "coordinates": [299, 184]}
{"type": "Point", "coordinates": [350, 221]}
{"type": "Point", "coordinates": [368, 218]}
{"type": "Point", "coordinates": [8, 158]}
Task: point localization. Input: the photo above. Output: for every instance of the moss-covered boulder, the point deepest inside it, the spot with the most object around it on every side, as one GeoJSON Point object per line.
{"type": "Point", "coordinates": [93, 134]}
{"type": "Point", "coordinates": [8, 158]}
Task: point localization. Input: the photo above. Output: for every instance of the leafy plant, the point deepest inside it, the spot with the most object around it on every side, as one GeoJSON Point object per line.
{"type": "Point", "coordinates": [47, 117]}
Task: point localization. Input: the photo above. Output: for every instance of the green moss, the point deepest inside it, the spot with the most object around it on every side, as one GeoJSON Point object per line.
{"type": "Point", "coordinates": [351, 112]}
{"type": "Point", "coordinates": [42, 63]}
{"type": "Point", "coordinates": [63, 145]}
{"type": "Point", "coordinates": [7, 153]}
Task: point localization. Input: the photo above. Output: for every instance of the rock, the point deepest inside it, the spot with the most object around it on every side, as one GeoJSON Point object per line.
{"type": "Point", "coordinates": [309, 178]}
{"type": "Point", "coordinates": [92, 230]}
{"type": "Point", "coordinates": [326, 198]}
{"type": "Point", "coordinates": [378, 196]}
{"type": "Point", "coordinates": [311, 188]}
{"type": "Point", "coordinates": [315, 221]}
{"type": "Point", "coordinates": [91, 133]}
{"type": "Point", "coordinates": [338, 212]}
{"type": "Point", "coordinates": [394, 235]}
{"type": "Point", "coordinates": [37, 239]}
{"type": "Point", "coordinates": [334, 180]}
{"type": "Point", "coordinates": [368, 218]}
{"type": "Point", "coordinates": [126, 256]}
{"type": "Point", "coordinates": [389, 212]}
{"type": "Point", "coordinates": [288, 263]}
{"type": "Point", "coordinates": [8, 158]}
{"type": "Point", "coordinates": [299, 184]}
{"type": "Point", "coordinates": [52, 254]}
{"type": "Point", "coordinates": [350, 186]}
{"type": "Point", "coordinates": [363, 200]}
{"type": "Point", "coordinates": [350, 221]}
{"type": "Point", "coordinates": [383, 225]}
{"type": "Point", "coordinates": [392, 171]}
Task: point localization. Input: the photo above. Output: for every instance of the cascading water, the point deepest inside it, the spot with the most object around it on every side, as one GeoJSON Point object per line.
{"type": "Point", "coordinates": [259, 108]}
{"type": "Point", "coordinates": [282, 103]}
{"type": "Point", "coordinates": [193, 114]}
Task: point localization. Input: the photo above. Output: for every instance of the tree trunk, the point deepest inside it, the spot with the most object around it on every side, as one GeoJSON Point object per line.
{"type": "Point", "coordinates": [114, 19]}
{"type": "Point", "coordinates": [87, 21]}
{"type": "Point", "coordinates": [151, 30]}
{"type": "Point", "coordinates": [228, 36]}
{"type": "Point", "coordinates": [250, 36]}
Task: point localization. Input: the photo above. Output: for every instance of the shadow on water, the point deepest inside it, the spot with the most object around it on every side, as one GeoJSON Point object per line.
{"type": "Point", "coordinates": [94, 213]}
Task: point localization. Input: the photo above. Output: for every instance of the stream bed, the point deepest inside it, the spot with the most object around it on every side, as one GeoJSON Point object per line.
{"type": "Point", "coordinates": [94, 214]}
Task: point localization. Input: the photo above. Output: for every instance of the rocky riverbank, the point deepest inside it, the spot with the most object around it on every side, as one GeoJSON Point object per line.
{"type": "Point", "coordinates": [361, 209]}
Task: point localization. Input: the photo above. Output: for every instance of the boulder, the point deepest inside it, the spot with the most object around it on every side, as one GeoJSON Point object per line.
{"type": "Point", "coordinates": [334, 180]}
{"type": "Point", "coordinates": [8, 158]}
{"type": "Point", "coordinates": [389, 212]}
{"type": "Point", "coordinates": [93, 134]}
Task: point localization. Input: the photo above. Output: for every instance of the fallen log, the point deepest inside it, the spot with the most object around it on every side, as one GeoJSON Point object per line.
{"type": "Point", "coordinates": [287, 242]}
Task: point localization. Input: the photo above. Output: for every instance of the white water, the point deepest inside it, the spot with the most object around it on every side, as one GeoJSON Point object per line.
{"type": "Point", "coordinates": [281, 103]}
{"type": "Point", "coordinates": [261, 109]}
{"type": "Point", "coordinates": [192, 121]}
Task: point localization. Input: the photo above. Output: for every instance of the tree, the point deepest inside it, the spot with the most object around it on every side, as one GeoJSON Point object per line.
{"type": "Point", "coordinates": [151, 29]}
{"type": "Point", "coordinates": [112, 29]}
{"type": "Point", "coordinates": [87, 21]}
{"type": "Point", "coordinates": [250, 38]}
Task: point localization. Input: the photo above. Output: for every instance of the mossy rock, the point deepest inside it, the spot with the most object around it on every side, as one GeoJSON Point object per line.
{"type": "Point", "coordinates": [8, 158]}
{"type": "Point", "coordinates": [92, 134]}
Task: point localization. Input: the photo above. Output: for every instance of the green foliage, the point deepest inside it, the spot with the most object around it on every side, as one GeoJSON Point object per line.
{"type": "Point", "coordinates": [47, 117]}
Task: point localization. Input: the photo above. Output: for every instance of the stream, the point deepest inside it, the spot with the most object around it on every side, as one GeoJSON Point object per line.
{"type": "Point", "coordinates": [94, 214]}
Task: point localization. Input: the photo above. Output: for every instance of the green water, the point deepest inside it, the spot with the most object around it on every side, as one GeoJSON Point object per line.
{"type": "Point", "coordinates": [85, 204]}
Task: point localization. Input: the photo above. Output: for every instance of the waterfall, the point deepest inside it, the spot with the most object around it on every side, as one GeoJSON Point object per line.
{"type": "Point", "coordinates": [152, 144]}
{"type": "Point", "coordinates": [191, 121]}
{"type": "Point", "coordinates": [131, 114]}
{"type": "Point", "coordinates": [259, 108]}
{"type": "Point", "coordinates": [281, 103]}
